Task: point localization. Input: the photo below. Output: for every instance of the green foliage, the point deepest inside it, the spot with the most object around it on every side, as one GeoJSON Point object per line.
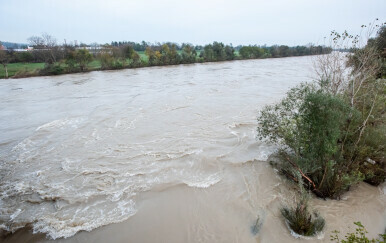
{"type": "Point", "coordinates": [128, 51]}
{"type": "Point", "coordinates": [127, 55]}
{"type": "Point", "coordinates": [188, 54]}
{"type": "Point", "coordinates": [110, 62]}
{"type": "Point", "coordinates": [169, 55]}
{"type": "Point", "coordinates": [310, 125]}
{"type": "Point", "coordinates": [217, 52]}
{"type": "Point", "coordinates": [70, 61]}
{"type": "Point", "coordinates": [332, 133]}
{"type": "Point", "coordinates": [371, 148]}
{"type": "Point", "coordinates": [251, 52]}
{"type": "Point", "coordinates": [83, 58]}
{"type": "Point", "coordinates": [229, 52]}
{"type": "Point", "coordinates": [24, 56]}
{"type": "Point", "coordinates": [368, 65]}
{"type": "Point", "coordinates": [153, 57]}
{"type": "Point", "coordinates": [135, 60]}
{"type": "Point", "coordinates": [359, 236]}
{"type": "Point", "coordinates": [52, 69]}
{"type": "Point", "coordinates": [21, 69]}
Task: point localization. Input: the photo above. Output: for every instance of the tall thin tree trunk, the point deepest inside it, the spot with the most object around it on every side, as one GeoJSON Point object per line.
{"type": "Point", "coordinates": [6, 70]}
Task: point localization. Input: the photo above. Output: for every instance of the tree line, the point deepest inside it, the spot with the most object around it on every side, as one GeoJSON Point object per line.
{"type": "Point", "coordinates": [68, 58]}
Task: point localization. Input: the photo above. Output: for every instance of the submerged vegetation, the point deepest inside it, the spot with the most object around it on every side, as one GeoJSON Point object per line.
{"type": "Point", "coordinates": [71, 58]}
{"type": "Point", "coordinates": [299, 218]}
{"type": "Point", "coordinates": [301, 221]}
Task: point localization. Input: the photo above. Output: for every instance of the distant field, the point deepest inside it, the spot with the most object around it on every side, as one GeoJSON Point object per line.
{"type": "Point", "coordinates": [19, 67]}
{"type": "Point", "coordinates": [143, 55]}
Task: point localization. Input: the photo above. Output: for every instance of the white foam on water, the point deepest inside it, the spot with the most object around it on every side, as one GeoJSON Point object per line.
{"type": "Point", "coordinates": [56, 227]}
{"type": "Point", "coordinates": [318, 236]}
{"type": "Point", "coordinates": [204, 182]}
{"type": "Point", "coordinates": [65, 122]}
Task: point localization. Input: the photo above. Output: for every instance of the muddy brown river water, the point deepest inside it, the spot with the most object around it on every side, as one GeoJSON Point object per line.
{"type": "Point", "coordinates": [161, 154]}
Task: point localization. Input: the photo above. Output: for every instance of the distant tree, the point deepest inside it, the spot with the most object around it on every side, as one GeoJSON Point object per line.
{"type": "Point", "coordinates": [119, 56]}
{"type": "Point", "coordinates": [153, 56]}
{"type": "Point", "coordinates": [24, 56]}
{"type": "Point", "coordinates": [169, 54]}
{"type": "Point", "coordinates": [249, 52]}
{"type": "Point", "coordinates": [219, 51]}
{"type": "Point", "coordinates": [208, 53]}
{"type": "Point", "coordinates": [70, 61]}
{"type": "Point", "coordinates": [229, 52]}
{"type": "Point", "coordinates": [83, 58]}
{"type": "Point", "coordinates": [135, 60]}
{"type": "Point", "coordinates": [245, 52]}
{"type": "Point", "coordinates": [47, 46]}
{"type": "Point", "coordinates": [284, 51]}
{"type": "Point", "coordinates": [274, 51]}
{"type": "Point", "coordinates": [165, 51]}
{"type": "Point", "coordinates": [188, 54]}
{"type": "Point", "coordinates": [106, 59]}
{"type": "Point", "coordinates": [128, 51]}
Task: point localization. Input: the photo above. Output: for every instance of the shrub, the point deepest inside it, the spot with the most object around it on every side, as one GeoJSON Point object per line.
{"type": "Point", "coordinates": [310, 125]}
{"type": "Point", "coordinates": [301, 221]}
{"type": "Point", "coordinates": [70, 61]}
{"type": "Point", "coordinates": [83, 58]}
{"type": "Point", "coordinates": [52, 69]}
{"type": "Point", "coordinates": [359, 236]}
{"type": "Point", "coordinates": [106, 60]}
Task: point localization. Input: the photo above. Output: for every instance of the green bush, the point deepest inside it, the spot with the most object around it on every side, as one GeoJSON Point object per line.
{"type": "Point", "coordinates": [83, 57]}
{"type": "Point", "coordinates": [359, 236]}
{"type": "Point", "coordinates": [52, 69]}
{"type": "Point", "coordinates": [310, 126]}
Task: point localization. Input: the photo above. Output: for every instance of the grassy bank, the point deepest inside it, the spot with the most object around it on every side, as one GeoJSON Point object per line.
{"type": "Point", "coordinates": [14, 68]}
{"type": "Point", "coordinates": [21, 70]}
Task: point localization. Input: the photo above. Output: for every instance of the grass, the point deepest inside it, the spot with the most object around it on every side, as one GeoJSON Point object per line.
{"type": "Point", "coordinates": [95, 64]}
{"type": "Point", "coordinates": [13, 68]}
{"type": "Point", "coordinates": [143, 56]}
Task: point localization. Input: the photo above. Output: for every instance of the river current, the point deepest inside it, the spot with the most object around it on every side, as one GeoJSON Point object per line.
{"type": "Point", "coordinates": [82, 151]}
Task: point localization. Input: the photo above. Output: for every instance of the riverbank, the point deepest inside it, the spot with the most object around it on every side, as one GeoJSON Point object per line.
{"type": "Point", "coordinates": [25, 70]}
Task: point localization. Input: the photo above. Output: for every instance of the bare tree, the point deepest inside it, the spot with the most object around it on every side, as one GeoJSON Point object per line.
{"type": "Point", "coordinates": [341, 71]}
{"type": "Point", "coordinates": [352, 70]}
{"type": "Point", "coordinates": [47, 46]}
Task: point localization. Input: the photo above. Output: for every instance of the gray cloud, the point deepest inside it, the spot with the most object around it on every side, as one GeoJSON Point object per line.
{"type": "Point", "coordinates": [199, 21]}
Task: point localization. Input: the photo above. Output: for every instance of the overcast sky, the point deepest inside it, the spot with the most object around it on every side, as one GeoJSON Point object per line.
{"type": "Point", "coordinates": [290, 22]}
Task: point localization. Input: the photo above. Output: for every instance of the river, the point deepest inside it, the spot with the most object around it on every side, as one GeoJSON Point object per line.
{"type": "Point", "coordinates": [160, 154]}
